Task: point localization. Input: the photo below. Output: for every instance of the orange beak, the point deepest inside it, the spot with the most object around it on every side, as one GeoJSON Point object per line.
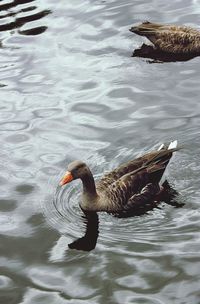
{"type": "Point", "coordinates": [67, 178]}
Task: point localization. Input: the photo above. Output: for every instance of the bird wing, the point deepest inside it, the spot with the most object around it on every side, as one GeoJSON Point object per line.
{"type": "Point", "coordinates": [130, 167]}
{"type": "Point", "coordinates": [120, 191]}
{"type": "Point", "coordinates": [145, 196]}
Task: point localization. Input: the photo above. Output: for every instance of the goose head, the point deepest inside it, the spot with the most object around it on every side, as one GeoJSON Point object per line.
{"type": "Point", "coordinates": [76, 169]}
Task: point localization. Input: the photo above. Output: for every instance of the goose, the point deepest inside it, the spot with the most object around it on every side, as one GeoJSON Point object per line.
{"type": "Point", "coordinates": [172, 39]}
{"type": "Point", "coordinates": [133, 184]}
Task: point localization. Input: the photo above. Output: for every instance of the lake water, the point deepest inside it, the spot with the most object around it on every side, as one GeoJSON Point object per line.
{"type": "Point", "coordinates": [70, 89]}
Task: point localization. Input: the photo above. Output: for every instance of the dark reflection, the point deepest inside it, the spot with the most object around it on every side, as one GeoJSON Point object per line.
{"type": "Point", "coordinates": [89, 240]}
{"type": "Point", "coordinates": [20, 21]}
{"type": "Point", "coordinates": [6, 6]}
{"type": "Point", "coordinates": [34, 31]}
{"type": "Point", "coordinates": [148, 51]}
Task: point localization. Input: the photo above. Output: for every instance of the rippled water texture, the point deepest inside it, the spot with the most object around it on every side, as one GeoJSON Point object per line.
{"type": "Point", "coordinates": [70, 89]}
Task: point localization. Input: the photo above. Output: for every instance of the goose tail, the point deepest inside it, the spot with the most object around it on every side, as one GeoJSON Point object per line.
{"type": "Point", "coordinates": [157, 166]}
{"type": "Point", "coordinates": [173, 147]}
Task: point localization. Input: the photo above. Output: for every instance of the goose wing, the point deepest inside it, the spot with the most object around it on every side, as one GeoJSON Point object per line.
{"type": "Point", "coordinates": [119, 193]}
{"type": "Point", "coordinates": [176, 42]}
{"type": "Point", "coordinates": [141, 202]}
{"type": "Point", "coordinates": [132, 165]}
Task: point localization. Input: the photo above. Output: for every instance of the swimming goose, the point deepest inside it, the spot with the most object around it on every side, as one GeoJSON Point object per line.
{"type": "Point", "coordinates": [170, 38]}
{"type": "Point", "coordinates": [133, 184]}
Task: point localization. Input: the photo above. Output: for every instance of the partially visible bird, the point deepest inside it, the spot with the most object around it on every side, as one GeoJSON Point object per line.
{"type": "Point", "coordinates": [173, 39]}
{"type": "Point", "coordinates": [132, 185]}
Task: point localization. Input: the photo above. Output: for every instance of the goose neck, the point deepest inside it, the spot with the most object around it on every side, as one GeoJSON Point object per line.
{"type": "Point", "coordinates": [89, 184]}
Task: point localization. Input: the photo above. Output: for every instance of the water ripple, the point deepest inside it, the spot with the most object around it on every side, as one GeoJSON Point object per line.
{"type": "Point", "coordinates": [63, 213]}
{"type": "Point", "coordinates": [13, 126]}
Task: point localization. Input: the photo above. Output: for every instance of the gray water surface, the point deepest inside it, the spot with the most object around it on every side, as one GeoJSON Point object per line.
{"type": "Point", "coordinates": [69, 89]}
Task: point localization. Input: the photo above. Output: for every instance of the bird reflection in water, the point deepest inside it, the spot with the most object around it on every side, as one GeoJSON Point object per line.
{"type": "Point", "coordinates": [89, 240]}
{"type": "Point", "coordinates": [157, 56]}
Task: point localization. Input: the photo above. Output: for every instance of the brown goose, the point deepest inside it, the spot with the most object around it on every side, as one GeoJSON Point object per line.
{"type": "Point", "coordinates": [170, 38]}
{"type": "Point", "coordinates": [134, 183]}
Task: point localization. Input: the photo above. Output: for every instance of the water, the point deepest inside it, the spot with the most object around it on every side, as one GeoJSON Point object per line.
{"type": "Point", "coordinates": [69, 89]}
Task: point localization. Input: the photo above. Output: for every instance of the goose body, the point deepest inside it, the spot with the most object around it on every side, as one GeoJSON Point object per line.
{"type": "Point", "coordinates": [131, 185]}
{"type": "Point", "coordinates": [170, 38]}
